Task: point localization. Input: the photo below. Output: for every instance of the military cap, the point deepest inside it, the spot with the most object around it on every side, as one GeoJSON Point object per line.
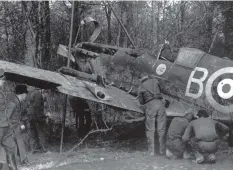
{"type": "Point", "coordinates": [20, 89]}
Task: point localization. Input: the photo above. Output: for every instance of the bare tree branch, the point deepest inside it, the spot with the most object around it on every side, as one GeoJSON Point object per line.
{"type": "Point", "coordinates": [87, 135]}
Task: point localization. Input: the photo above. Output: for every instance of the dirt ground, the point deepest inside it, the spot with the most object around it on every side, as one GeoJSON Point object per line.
{"type": "Point", "coordinates": [123, 154]}
{"type": "Point", "coordinates": [123, 148]}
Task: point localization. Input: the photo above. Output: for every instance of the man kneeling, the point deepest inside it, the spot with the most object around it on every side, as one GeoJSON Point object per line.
{"type": "Point", "coordinates": [206, 139]}
{"type": "Point", "coordinates": [175, 146]}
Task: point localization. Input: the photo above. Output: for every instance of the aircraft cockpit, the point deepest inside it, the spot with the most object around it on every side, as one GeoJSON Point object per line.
{"type": "Point", "coordinates": [165, 53]}
{"type": "Point", "coordinates": [189, 57]}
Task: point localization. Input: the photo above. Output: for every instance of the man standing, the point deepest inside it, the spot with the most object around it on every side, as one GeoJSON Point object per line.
{"type": "Point", "coordinates": [9, 121]}
{"type": "Point", "coordinates": [36, 117]}
{"type": "Point", "coordinates": [176, 148]}
{"type": "Point", "coordinates": [83, 115]}
{"type": "Point", "coordinates": [206, 136]}
{"type": "Point", "coordinates": [151, 98]}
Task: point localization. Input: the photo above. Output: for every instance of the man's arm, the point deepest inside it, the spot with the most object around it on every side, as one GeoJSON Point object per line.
{"type": "Point", "coordinates": [222, 128]}
{"type": "Point", "coordinates": [188, 132]}
{"type": "Point", "coordinates": [140, 97]}
{"type": "Point", "coordinates": [11, 106]}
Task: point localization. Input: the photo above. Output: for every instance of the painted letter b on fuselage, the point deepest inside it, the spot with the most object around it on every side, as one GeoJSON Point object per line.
{"type": "Point", "coordinates": [198, 81]}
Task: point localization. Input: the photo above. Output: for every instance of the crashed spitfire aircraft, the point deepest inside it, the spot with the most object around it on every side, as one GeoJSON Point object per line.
{"type": "Point", "coordinates": [193, 78]}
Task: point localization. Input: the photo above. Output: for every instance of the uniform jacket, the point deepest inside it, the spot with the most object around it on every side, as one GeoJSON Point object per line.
{"type": "Point", "coordinates": [35, 103]}
{"type": "Point", "coordinates": [204, 129]}
{"type": "Point", "coordinates": [12, 111]}
{"type": "Point", "coordinates": [177, 128]}
{"type": "Point", "coordinates": [149, 90]}
{"type": "Point", "coordinates": [174, 135]}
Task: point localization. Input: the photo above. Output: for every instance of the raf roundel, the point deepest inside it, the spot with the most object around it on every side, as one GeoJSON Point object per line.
{"type": "Point", "coordinates": [161, 69]}
{"type": "Point", "coordinates": [226, 92]}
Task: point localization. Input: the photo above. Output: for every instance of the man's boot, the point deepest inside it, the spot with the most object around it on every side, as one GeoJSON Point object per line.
{"type": "Point", "coordinates": [212, 158]}
{"type": "Point", "coordinates": [170, 155]}
{"type": "Point", "coordinates": [150, 143]}
{"type": "Point", "coordinates": [1, 166]}
{"type": "Point", "coordinates": [10, 157]}
{"type": "Point", "coordinates": [187, 155]}
{"type": "Point", "coordinates": [199, 157]}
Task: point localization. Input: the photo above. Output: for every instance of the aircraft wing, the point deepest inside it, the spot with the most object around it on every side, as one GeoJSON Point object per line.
{"type": "Point", "coordinates": [69, 85]}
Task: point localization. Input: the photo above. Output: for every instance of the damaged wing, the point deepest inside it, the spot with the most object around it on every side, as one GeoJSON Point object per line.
{"type": "Point", "coordinates": [69, 85]}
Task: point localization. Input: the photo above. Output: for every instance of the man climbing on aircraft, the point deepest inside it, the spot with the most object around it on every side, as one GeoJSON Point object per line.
{"type": "Point", "coordinates": [176, 148]}
{"type": "Point", "coordinates": [151, 99]}
{"type": "Point", "coordinates": [206, 133]}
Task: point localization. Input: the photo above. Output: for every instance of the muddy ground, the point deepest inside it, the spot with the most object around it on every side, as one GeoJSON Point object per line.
{"type": "Point", "coordinates": [117, 151]}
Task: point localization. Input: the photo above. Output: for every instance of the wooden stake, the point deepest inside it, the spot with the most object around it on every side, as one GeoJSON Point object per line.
{"type": "Point", "coordinates": [68, 65]}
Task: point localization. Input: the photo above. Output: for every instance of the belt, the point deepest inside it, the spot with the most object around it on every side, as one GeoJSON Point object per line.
{"type": "Point", "coordinates": [147, 101]}
{"type": "Point", "coordinates": [158, 98]}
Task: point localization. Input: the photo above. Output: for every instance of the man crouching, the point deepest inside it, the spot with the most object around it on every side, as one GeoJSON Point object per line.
{"type": "Point", "coordinates": [206, 139]}
{"type": "Point", "coordinates": [176, 147]}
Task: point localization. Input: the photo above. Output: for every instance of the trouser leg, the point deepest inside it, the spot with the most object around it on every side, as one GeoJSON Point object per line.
{"type": "Point", "coordinates": [10, 157]}
{"type": "Point", "coordinates": [150, 142]}
{"type": "Point", "coordinates": [88, 121]}
{"type": "Point", "coordinates": [81, 123]}
{"type": "Point", "coordinates": [9, 144]}
{"type": "Point", "coordinates": [196, 150]}
{"type": "Point", "coordinates": [187, 151]}
{"type": "Point", "coordinates": [34, 135]}
{"type": "Point", "coordinates": [161, 128]}
{"type": "Point", "coordinates": [150, 134]}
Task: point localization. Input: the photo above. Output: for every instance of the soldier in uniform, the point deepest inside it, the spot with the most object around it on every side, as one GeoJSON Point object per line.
{"type": "Point", "coordinates": [83, 115]}
{"type": "Point", "coordinates": [9, 121]}
{"type": "Point", "coordinates": [150, 96]}
{"type": "Point", "coordinates": [206, 133]}
{"type": "Point", "coordinates": [36, 118]}
{"type": "Point", "coordinates": [176, 148]}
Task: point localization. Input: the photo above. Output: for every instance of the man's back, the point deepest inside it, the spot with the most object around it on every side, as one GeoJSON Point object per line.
{"type": "Point", "coordinates": [204, 129]}
{"type": "Point", "coordinates": [177, 127]}
{"type": "Point", "coordinates": [35, 103]}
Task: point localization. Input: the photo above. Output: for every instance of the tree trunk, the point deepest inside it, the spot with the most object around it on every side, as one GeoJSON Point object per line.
{"type": "Point", "coordinates": [158, 24]}
{"type": "Point", "coordinates": [124, 20]}
{"type": "Point", "coordinates": [77, 20]}
{"type": "Point", "coordinates": [30, 36]}
{"type": "Point", "coordinates": [181, 25]}
{"type": "Point", "coordinates": [45, 35]}
{"type": "Point", "coordinates": [152, 24]}
{"type": "Point", "coordinates": [119, 26]}
{"type": "Point", "coordinates": [108, 13]}
{"type": "Point", "coordinates": [228, 28]}
{"type": "Point", "coordinates": [209, 26]}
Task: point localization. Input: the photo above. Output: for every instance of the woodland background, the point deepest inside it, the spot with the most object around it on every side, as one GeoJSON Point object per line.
{"type": "Point", "coordinates": [30, 31]}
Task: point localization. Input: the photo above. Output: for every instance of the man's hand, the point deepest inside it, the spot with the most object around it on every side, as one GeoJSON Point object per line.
{"type": "Point", "coordinates": [22, 127]}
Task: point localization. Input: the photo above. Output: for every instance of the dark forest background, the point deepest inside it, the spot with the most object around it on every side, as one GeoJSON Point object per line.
{"type": "Point", "coordinates": [32, 30]}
